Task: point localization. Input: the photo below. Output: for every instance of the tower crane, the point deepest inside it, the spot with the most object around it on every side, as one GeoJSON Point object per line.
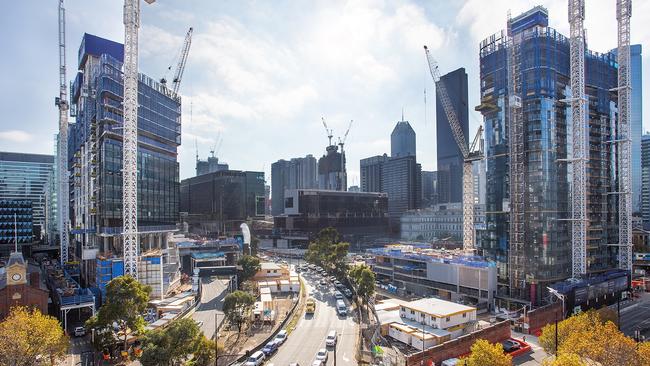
{"type": "Point", "coordinates": [345, 136]}
{"type": "Point", "coordinates": [130, 138]}
{"type": "Point", "coordinates": [469, 153]}
{"type": "Point", "coordinates": [329, 131]}
{"type": "Point", "coordinates": [182, 60]}
{"type": "Point", "coordinates": [62, 156]}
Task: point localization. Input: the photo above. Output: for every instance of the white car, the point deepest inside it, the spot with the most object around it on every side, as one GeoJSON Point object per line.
{"type": "Point", "coordinates": [317, 363]}
{"type": "Point", "coordinates": [79, 332]}
{"type": "Point", "coordinates": [330, 341]}
{"type": "Point", "coordinates": [322, 355]}
{"type": "Point", "coordinates": [281, 337]}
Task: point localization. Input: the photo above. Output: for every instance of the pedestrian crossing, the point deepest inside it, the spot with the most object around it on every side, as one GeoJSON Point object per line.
{"type": "Point", "coordinates": [80, 342]}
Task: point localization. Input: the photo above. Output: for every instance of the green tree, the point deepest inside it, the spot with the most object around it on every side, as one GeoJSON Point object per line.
{"type": "Point", "coordinates": [329, 252]}
{"type": "Point", "coordinates": [126, 301]}
{"type": "Point", "coordinates": [237, 306]}
{"type": "Point", "coordinates": [172, 345]}
{"type": "Point", "coordinates": [485, 353]}
{"type": "Point", "coordinates": [27, 335]}
{"type": "Point", "coordinates": [364, 281]}
{"type": "Point", "coordinates": [250, 266]}
{"type": "Point", "coordinates": [204, 354]}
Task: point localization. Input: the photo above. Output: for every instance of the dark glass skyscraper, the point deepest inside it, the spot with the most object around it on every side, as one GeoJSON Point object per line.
{"type": "Point", "coordinates": [371, 170]}
{"type": "Point", "coordinates": [450, 159]}
{"type": "Point", "coordinates": [402, 140]}
{"type": "Point", "coordinates": [545, 256]}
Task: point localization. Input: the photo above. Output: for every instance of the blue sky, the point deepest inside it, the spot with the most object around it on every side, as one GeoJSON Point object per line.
{"type": "Point", "coordinates": [260, 74]}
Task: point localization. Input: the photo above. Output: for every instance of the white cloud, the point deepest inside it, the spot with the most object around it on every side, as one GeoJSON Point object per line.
{"type": "Point", "coordinates": [15, 136]}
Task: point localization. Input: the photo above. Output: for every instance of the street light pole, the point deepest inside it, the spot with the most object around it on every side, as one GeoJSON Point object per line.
{"type": "Point", "coordinates": [555, 333]}
{"type": "Point", "coordinates": [216, 338]}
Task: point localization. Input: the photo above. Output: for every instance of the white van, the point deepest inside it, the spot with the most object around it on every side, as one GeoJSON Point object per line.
{"type": "Point", "coordinates": [341, 308]}
{"type": "Point", "coordinates": [255, 359]}
{"type": "Point", "coordinates": [330, 340]}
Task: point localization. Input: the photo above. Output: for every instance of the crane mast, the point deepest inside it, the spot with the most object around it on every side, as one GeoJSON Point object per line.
{"type": "Point", "coordinates": [180, 68]}
{"type": "Point", "coordinates": [468, 155]}
{"type": "Point", "coordinates": [623, 14]}
{"type": "Point", "coordinates": [579, 139]}
{"type": "Point", "coordinates": [62, 153]}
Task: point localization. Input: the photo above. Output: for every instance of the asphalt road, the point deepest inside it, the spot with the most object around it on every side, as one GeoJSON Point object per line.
{"type": "Point", "coordinates": [213, 292]}
{"type": "Point", "coordinates": [309, 336]}
{"type": "Point", "coordinates": [636, 317]}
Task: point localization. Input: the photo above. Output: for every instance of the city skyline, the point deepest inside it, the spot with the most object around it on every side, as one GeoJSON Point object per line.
{"type": "Point", "coordinates": [261, 87]}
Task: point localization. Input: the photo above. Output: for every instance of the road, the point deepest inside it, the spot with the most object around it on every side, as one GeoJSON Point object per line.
{"type": "Point", "coordinates": [80, 352]}
{"type": "Point", "coordinates": [213, 292]}
{"type": "Point", "coordinates": [636, 316]}
{"type": "Point", "coordinates": [309, 335]}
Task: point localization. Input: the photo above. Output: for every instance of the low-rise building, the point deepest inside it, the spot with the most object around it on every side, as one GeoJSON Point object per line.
{"type": "Point", "coordinates": [21, 285]}
{"type": "Point", "coordinates": [447, 274]}
{"type": "Point", "coordinates": [274, 278]}
{"type": "Point", "coordinates": [441, 221]}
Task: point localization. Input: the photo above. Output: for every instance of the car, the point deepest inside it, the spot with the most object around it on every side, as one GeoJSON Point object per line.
{"type": "Point", "coordinates": [330, 340]}
{"type": "Point", "coordinates": [255, 359]}
{"type": "Point", "coordinates": [317, 363]}
{"type": "Point", "coordinates": [79, 331]}
{"type": "Point", "coordinates": [347, 293]}
{"type": "Point", "coordinates": [322, 355]}
{"type": "Point", "coordinates": [339, 286]}
{"type": "Point", "coordinates": [310, 306]}
{"type": "Point", "coordinates": [341, 308]}
{"type": "Point", "coordinates": [281, 337]}
{"type": "Point", "coordinates": [337, 283]}
{"type": "Point", "coordinates": [323, 282]}
{"type": "Point", "coordinates": [270, 348]}
{"type": "Point", "coordinates": [338, 295]}
{"type": "Point", "coordinates": [510, 345]}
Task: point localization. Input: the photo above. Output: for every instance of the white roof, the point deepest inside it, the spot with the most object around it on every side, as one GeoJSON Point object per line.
{"type": "Point", "coordinates": [437, 307]}
{"type": "Point", "coordinates": [265, 290]}
{"type": "Point", "coordinates": [269, 266]}
{"type": "Point", "coordinates": [266, 298]}
{"type": "Point", "coordinates": [389, 304]}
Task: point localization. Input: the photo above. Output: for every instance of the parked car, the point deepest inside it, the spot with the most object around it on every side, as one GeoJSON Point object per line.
{"type": "Point", "coordinates": [338, 295]}
{"type": "Point", "coordinates": [270, 348]}
{"type": "Point", "coordinates": [322, 355]}
{"type": "Point", "coordinates": [255, 359]}
{"type": "Point", "coordinates": [330, 340]}
{"type": "Point", "coordinates": [323, 282]}
{"type": "Point", "coordinates": [510, 345]}
{"type": "Point", "coordinates": [79, 331]}
{"type": "Point", "coordinates": [347, 293]}
{"type": "Point", "coordinates": [281, 337]}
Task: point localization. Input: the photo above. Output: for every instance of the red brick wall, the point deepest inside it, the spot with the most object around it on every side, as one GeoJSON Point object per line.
{"type": "Point", "coordinates": [540, 317]}
{"type": "Point", "coordinates": [461, 345]}
{"type": "Point", "coordinates": [30, 297]}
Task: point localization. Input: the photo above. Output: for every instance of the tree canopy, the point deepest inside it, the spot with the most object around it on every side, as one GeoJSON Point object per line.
{"type": "Point", "coordinates": [236, 307]}
{"type": "Point", "coordinates": [328, 251]}
{"type": "Point", "coordinates": [250, 266]}
{"type": "Point", "coordinates": [174, 344]}
{"type": "Point", "coordinates": [126, 301]}
{"type": "Point", "coordinates": [588, 336]}
{"type": "Point", "coordinates": [485, 353]}
{"type": "Point", "coordinates": [28, 335]}
{"type": "Point", "coordinates": [364, 281]}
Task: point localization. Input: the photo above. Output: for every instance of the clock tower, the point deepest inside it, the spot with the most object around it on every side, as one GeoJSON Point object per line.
{"type": "Point", "coordinates": [16, 270]}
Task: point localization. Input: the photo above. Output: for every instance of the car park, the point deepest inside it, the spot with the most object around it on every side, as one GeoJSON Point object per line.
{"type": "Point", "coordinates": [255, 359]}
{"type": "Point", "coordinates": [281, 337]}
{"type": "Point", "coordinates": [322, 355]}
{"type": "Point", "coordinates": [270, 348]}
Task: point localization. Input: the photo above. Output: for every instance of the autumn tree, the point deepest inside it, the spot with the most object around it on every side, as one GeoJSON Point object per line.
{"type": "Point", "coordinates": [250, 266]}
{"type": "Point", "coordinates": [126, 301]}
{"type": "Point", "coordinates": [485, 353]}
{"type": "Point", "coordinates": [565, 359]}
{"type": "Point", "coordinates": [28, 335]}
{"type": "Point", "coordinates": [643, 352]}
{"type": "Point", "coordinates": [237, 306]}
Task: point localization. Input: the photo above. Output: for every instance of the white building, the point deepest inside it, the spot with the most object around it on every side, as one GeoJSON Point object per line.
{"type": "Point", "coordinates": [438, 222]}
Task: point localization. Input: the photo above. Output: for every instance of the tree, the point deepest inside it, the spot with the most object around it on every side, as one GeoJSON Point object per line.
{"type": "Point", "coordinates": [250, 266]}
{"type": "Point", "coordinates": [204, 354]}
{"type": "Point", "coordinates": [236, 307]}
{"type": "Point", "coordinates": [577, 323]}
{"type": "Point", "coordinates": [172, 345]}
{"type": "Point", "coordinates": [643, 351]}
{"type": "Point", "coordinates": [328, 251]}
{"type": "Point", "coordinates": [565, 359]}
{"type": "Point", "coordinates": [27, 335]}
{"type": "Point", "coordinates": [485, 353]}
{"type": "Point", "coordinates": [126, 301]}
{"type": "Point", "coordinates": [364, 281]}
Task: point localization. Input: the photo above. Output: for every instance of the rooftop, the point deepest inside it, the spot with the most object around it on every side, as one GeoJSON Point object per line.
{"type": "Point", "coordinates": [438, 307]}
{"type": "Point", "coordinates": [269, 266]}
{"type": "Point", "coordinates": [424, 252]}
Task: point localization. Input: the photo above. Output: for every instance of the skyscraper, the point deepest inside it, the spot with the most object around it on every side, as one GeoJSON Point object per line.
{"type": "Point", "coordinates": [543, 80]}
{"type": "Point", "coordinates": [95, 152]}
{"type": "Point", "coordinates": [645, 178]}
{"type": "Point", "coordinates": [331, 170]}
{"type": "Point", "coordinates": [296, 173]}
{"type": "Point", "coordinates": [371, 170]}
{"type": "Point", "coordinates": [450, 159]}
{"type": "Point", "coordinates": [402, 140]}
{"type": "Point", "coordinates": [25, 177]}
{"type": "Point", "coordinates": [429, 188]}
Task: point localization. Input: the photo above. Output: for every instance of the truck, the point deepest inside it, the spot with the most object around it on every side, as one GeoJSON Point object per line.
{"type": "Point", "coordinates": [310, 306]}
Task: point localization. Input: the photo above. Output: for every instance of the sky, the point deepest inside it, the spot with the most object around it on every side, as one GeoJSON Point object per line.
{"type": "Point", "coordinates": [261, 74]}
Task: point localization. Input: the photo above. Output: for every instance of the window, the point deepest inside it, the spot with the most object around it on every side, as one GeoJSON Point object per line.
{"type": "Point", "coordinates": [447, 319]}
{"type": "Point", "coordinates": [464, 315]}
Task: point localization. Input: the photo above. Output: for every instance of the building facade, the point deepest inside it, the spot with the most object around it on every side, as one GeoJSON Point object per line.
{"type": "Point", "coordinates": [217, 203]}
{"type": "Point", "coordinates": [543, 64]}
{"type": "Point", "coordinates": [332, 174]}
{"type": "Point", "coordinates": [429, 188]}
{"type": "Point", "coordinates": [95, 153]}
{"type": "Point", "coordinates": [371, 171]}
{"type": "Point", "coordinates": [442, 221]}
{"type": "Point", "coordinates": [25, 177]}
{"type": "Point", "coordinates": [295, 173]}
{"type": "Point", "coordinates": [402, 140]}
{"type": "Point", "coordinates": [645, 178]}
{"type": "Point", "coordinates": [16, 225]}
{"type": "Point", "coordinates": [21, 285]}
{"type": "Point", "coordinates": [210, 165]}
{"type": "Point", "coordinates": [450, 159]}
{"type": "Point", "coordinates": [402, 181]}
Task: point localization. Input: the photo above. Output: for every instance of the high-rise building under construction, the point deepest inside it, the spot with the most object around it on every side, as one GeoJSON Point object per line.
{"type": "Point", "coordinates": [541, 70]}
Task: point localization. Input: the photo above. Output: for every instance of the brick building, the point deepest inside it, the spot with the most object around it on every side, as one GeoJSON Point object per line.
{"type": "Point", "coordinates": [21, 285]}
